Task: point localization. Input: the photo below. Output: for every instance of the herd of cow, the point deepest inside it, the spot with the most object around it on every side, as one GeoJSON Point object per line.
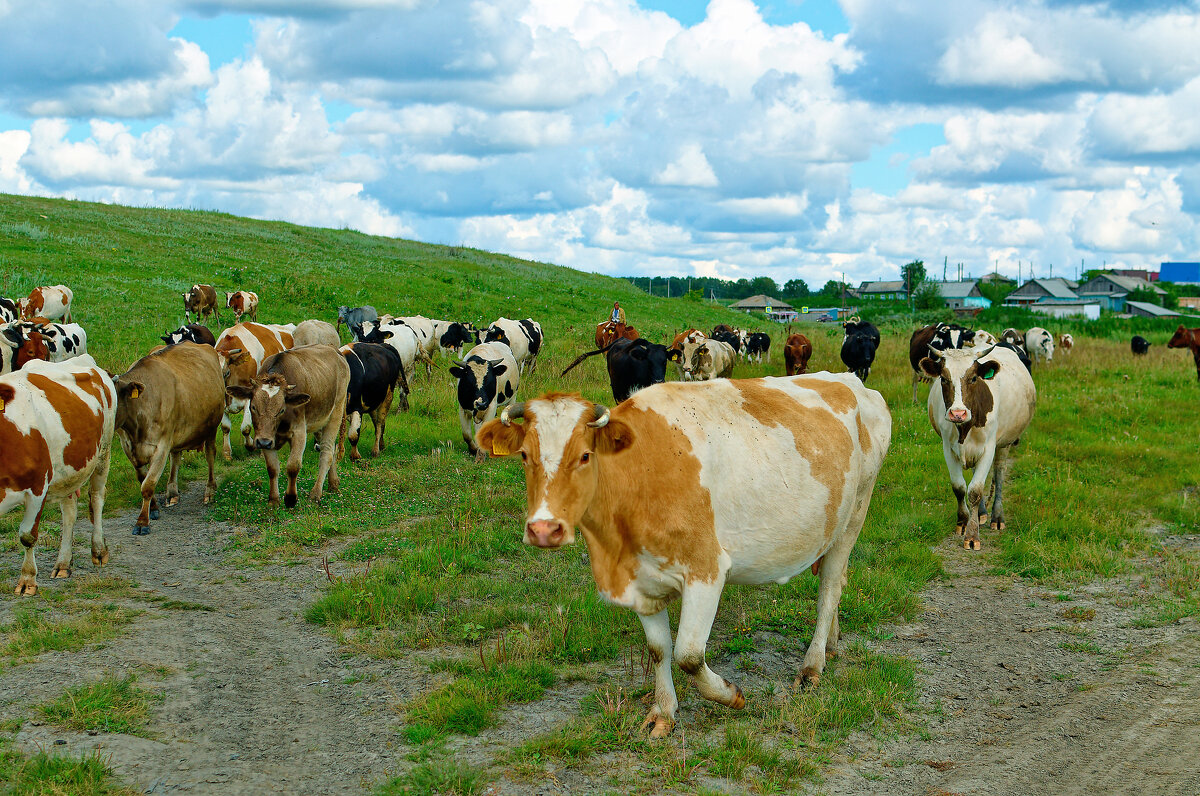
{"type": "Point", "coordinates": [676, 488]}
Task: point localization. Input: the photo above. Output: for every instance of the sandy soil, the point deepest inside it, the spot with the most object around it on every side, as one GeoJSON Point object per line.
{"type": "Point", "coordinates": [258, 701]}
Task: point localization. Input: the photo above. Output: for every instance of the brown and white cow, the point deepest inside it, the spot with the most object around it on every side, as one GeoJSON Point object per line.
{"type": "Point", "coordinates": [608, 333]}
{"type": "Point", "coordinates": [50, 342]}
{"type": "Point", "coordinates": [1184, 338]}
{"type": "Point", "coordinates": [244, 304]}
{"type": "Point", "coordinates": [1066, 342]}
{"type": "Point", "coordinates": [56, 425]}
{"type": "Point", "coordinates": [201, 301]}
{"type": "Point", "coordinates": [48, 303]}
{"type": "Point", "coordinates": [980, 407]}
{"type": "Point", "coordinates": [170, 401]}
{"type": "Point", "coordinates": [796, 352]}
{"type": "Point", "coordinates": [242, 349]}
{"type": "Point", "coordinates": [658, 486]}
{"type": "Point", "coordinates": [685, 343]}
{"type": "Point", "coordinates": [315, 333]}
{"type": "Point", "coordinates": [712, 359]}
{"type": "Point", "coordinates": [298, 392]}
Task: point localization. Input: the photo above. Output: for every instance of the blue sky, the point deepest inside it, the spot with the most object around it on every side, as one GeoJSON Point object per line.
{"type": "Point", "coordinates": [792, 138]}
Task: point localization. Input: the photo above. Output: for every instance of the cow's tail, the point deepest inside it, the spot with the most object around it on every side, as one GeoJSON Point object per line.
{"type": "Point", "coordinates": [582, 357]}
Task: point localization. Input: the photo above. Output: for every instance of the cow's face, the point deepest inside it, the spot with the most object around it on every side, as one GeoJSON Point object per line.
{"type": "Point", "coordinates": [496, 335]}
{"type": "Point", "coordinates": [654, 359]}
{"type": "Point", "coordinates": [559, 445]}
{"type": "Point", "coordinates": [964, 377]}
{"type": "Point", "coordinates": [1181, 339]}
{"type": "Point", "coordinates": [177, 336]}
{"type": "Point", "coordinates": [701, 364]}
{"type": "Point", "coordinates": [478, 382]}
{"type": "Point", "coordinates": [272, 404]}
{"type": "Point", "coordinates": [32, 347]}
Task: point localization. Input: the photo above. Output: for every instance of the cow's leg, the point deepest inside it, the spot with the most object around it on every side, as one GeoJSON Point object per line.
{"type": "Point", "coordinates": [975, 497]}
{"type": "Point", "coordinates": [28, 533]}
{"type": "Point", "coordinates": [210, 457]}
{"type": "Point", "coordinates": [959, 484]}
{"type": "Point", "coordinates": [916, 381]}
{"type": "Point", "coordinates": [696, 617]}
{"type": "Point", "coordinates": [999, 474]}
{"type": "Point", "coordinates": [154, 470]}
{"type": "Point", "coordinates": [173, 479]}
{"type": "Point", "coordinates": [295, 460]}
{"type": "Point", "coordinates": [379, 418]}
{"type": "Point", "coordinates": [468, 432]}
{"type": "Point", "coordinates": [227, 429]}
{"type": "Point", "coordinates": [327, 464]}
{"type": "Point", "coordinates": [248, 429]}
{"type": "Point", "coordinates": [353, 426]}
{"type": "Point", "coordinates": [271, 457]}
{"type": "Point", "coordinates": [96, 489]}
{"type": "Point", "coordinates": [661, 718]}
{"type": "Point", "coordinates": [490, 414]}
{"type": "Point", "coordinates": [70, 510]}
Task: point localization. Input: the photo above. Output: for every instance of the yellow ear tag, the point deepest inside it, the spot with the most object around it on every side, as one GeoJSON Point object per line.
{"type": "Point", "coordinates": [499, 448]}
{"type": "Point", "coordinates": [1, 404]}
{"type": "Point", "coordinates": [135, 392]}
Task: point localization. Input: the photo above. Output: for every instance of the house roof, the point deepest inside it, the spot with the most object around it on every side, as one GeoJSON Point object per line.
{"type": "Point", "coordinates": [1152, 309]}
{"type": "Point", "coordinates": [1056, 288]}
{"type": "Point", "coordinates": [1131, 283]}
{"type": "Point", "coordinates": [896, 286]}
{"type": "Point", "coordinates": [760, 302]}
{"type": "Point", "coordinates": [957, 289]}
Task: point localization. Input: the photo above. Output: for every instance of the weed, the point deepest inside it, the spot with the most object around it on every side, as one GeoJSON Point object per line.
{"type": "Point", "coordinates": [109, 705]}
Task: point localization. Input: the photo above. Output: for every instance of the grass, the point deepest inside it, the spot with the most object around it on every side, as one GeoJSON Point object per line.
{"type": "Point", "coordinates": [110, 705]}
{"type": "Point", "coordinates": [43, 774]}
{"type": "Point", "coordinates": [428, 553]}
{"type": "Point", "coordinates": [439, 778]}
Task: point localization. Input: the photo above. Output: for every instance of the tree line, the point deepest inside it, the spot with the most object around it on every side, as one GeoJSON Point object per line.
{"type": "Point", "coordinates": [711, 287]}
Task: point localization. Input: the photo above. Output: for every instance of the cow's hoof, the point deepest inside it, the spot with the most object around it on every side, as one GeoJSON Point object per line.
{"type": "Point", "coordinates": [959, 529]}
{"type": "Point", "coordinates": [658, 725]}
{"type": "Point", "coordinates": [26, 586]}
{"type": "Point", "coordinates": [809, 678]}
{"type": "Point", "coordinates": [998, 526]}
{"type": "Point", "coordinates": [289, 501]}
{"type": "Point", "coordinates": [227, 457]}
{"type": "Point", "coordinates": [61, 572]}
{"type": "Point", "coordinates": [172, 502]}
{"type": "Point", "coordinates": [739, 701]}
{"type": "Point", "coordinates": [983, 517]}
{"type": "Point", "coordinates": [141, 530]}
{"type": "Point", "coordinates": [154, 514]}
{"type": "Point", "coordinates": [971, 544]}
{"type": "Point", "coordinates": [100, 560]}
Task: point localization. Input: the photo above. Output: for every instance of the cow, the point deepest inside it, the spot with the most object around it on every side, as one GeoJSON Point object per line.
{"type": "Point", "coordinates": [315, 333]}
{"type": "Point", "coordinates": [242, 349]}
{"type": "Point", "coordinates": [375, 373]}
{"type": "Point", "coordinates": [713, 359]}
{"type": "Point", "coordinates": [939, 336]}
{"type": "Point", "coordinates": [758, 345]}
{"type": "Point", "coordinates": [169, 401]}
{"type": "Point", "coordinates": [56, 426]}
{"type": "Point", "coordinates": [859, 346]}
{"type": "Point", "coordinates": [403, 339]}
{"type": "Point", "coordinates": [982, 338]}
{"type": "Point", "coordinates": [1021, 355]}
{"type": "Point", "coordinates": [743, 342]}
{"type": "Point", "coordinates": [632, 364]}
{"type": "Point", "coordinates": [47, 304]}
{"type": "Point", "coordinates": [1039, 344]}
{"type": "Point", "coordinates": [1066, 342]}
{"type": "Point", "coordinates": [524, 337]}
{"type": "Point", "coordinates": [731, 339]}
{"type": "Point", "coordinates": [11, 340]}
{"type": "Point", "coordinates": [1015, 336]}
{"type": "Point", "coordinates": [53, 342]}
{"type": "Point", "coordinates": [355, 317]}
{"type": "Point", "coordinates": [1183, 338]}
{"type": "Point", "coordinates": [453, 335]}
{"type": "Point", "coordinates": [980, 408]}
{"type": "Point", "coordinates": [723, 327]}
{"type": "Point", "coordinates": [658, 484]}
{"type": "Point", "coordinates": [1140, 345]}
{"type": "Point", "coordinates": [686, 343]}
{"type": "Point", "coordinates": [9, 310]}
{"type": "Point", "coordinates": [608, 332]}
{"type": "Point", "coordinates": [488, 378]}
{"type": "Point", "coordinates": [796, 352]}
{"type": "Point", "coordinates": [201, 301]}
{"type": "Point", "coordinates": [191, 333]}
{"type": "Point", "coordinates": [296, 393]}
{"type": "Point", "coordinates": [244, 304]}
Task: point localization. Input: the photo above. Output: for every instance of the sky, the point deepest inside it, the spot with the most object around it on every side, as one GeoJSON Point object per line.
{"type": "Point", "coordinates": [787, 138]}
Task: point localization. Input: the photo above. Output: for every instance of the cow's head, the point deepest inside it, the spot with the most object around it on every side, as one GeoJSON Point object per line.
{"type": "Point", "coordinates": [178, 336]}
{"type": "Point", "coordinates": [271, 400]}
{"type": "Point", "coordinates": [32, 347]}
{"type": "Point", "coordinates": [1181, 339]}
{"type": "Point", "coordinates": [562, 438]}
{"type": "Point", "coordinates": [700, 366]}
{"type": "Point", "coordinates": [964, 377]}
{"type": "Point", "coordinates": [369, 332]}
{"type": "Point", "coordinates": [478, 382]}
{"type": "Point", "coordinates": [238, 369]}
{"type": "Point", "coordinates": [496, 335]}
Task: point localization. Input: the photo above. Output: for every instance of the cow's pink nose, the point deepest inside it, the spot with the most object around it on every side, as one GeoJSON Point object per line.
{"type": "Point", "coordinates": [545, 533]}
{"type": "Point", "coordinates": [957, 415]}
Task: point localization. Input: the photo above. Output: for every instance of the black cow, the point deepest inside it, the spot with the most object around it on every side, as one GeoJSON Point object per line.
{"type": "Point", "coordinates": [731, 338]}
{"type": "Point", "coordinates": [355, 317]}
{"type": "Point", "coordinates": [376, 372]}
{"type": "Point", "coordinates": [758, 346]}
{"type": "Point", "coordinates": [859, 347]}
{"type": "Point", "coordinates": [192, 333]}
{"type": "Point", "coordinates": [1020, 352]}
{"type": "Point", "coordinates": [457, 335]}
{"type": "Point", "coordinates": [9, 311]}
{"type": "Point", "coordinates": [1139, 345]}
{"type": "Point", "coordinates": [633, 364]}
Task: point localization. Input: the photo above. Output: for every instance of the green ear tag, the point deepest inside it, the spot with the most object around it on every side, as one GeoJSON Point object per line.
{"type": "Point", "coordinates": [990, 374]}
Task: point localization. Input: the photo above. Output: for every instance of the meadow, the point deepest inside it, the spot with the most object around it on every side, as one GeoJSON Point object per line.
{"type": "Point", "coordinates": [423, 545]}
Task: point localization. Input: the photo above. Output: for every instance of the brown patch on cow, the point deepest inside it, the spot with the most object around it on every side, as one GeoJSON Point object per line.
{"type": "Point", "coordinates": [36, 302]}
{"type": "Point", "coordinates": [269, 339]}
{"type": "Point", "coordinates": [79, 420]}
{"type": "Point", "coordinates": [819, 435]}
{"type": "Point", "coordinates": [93, 385]}
{"type": "Point", "coordinates": [26, 457]}
{"type": "Point", "coordinates": [864, 436]}
{"type": "Point", "coordinates": [836, 395]}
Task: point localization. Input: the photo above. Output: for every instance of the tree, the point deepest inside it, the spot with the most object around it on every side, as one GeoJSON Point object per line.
{"type": "Point", "coordinates": [764, 285]}
{"type": "Point", "coordinates": [928, 296]}
{"type": "Point", "coordinates": [913, 274]}
{"type": "Point", "coordinates": [795, 288]}
{"type": "Point", "coordinates": [833, 290]}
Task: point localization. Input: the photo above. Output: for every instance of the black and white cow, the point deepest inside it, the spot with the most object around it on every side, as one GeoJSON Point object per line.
{"type": "Point", "coordinates": [938, 337]}
{"type": "Point", "coordinates": [376, 374]}
{"type": "Point", "coordinates": [63, 341]}
{"type": "Point", "coordinates": [9, 311]}
{"type": "Point", "coordinates": [524, 337]}
{"type": "Point", "coordinates": [355, 317]}
{"type": "Point", "coordinates": [453, 335]}
{"type": "Point", "coordinates": [191, 333]}
{"type": "Point", "coordinates": [402, 339]}
{"type": "Point", "coordinates": [733, 339]}
{"type": "Point", "coordinates": [488, 378]}
{"type": "Point", "coordinates": [758, 345]}
{"type": "Point", "coordinates": [859, 347]}
{"type": "Point", "coordinates": [633, 364]}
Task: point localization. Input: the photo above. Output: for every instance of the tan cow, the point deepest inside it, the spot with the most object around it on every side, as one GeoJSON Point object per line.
{"type": "Point", "coordinates": [659, 486]}
{"type": "Point", "coordinates": [685, 343]}
{"type": "Point", "coordinates": [796, 353]}
{"type": "Point", "coordinates": [201, 301]}
{"type": "Point", "coordinates": [48, 303]}
{"type": "Point", "coordinates": [712, 359]}
{"type": "Point", "coordinates": [56, 425]}
{"type": "Point", "coordinates": [315, 333]}
{"type": "Point", "coordinates": [169, 402]}
{"type": "Point", "coordinates": [980, 406]}
{"type": "Point", "coordinates": [242, 349]}
{"type": "Point", "coordinates": [297, 393]}
{"type": "Point", "coordinates": [244, 304]}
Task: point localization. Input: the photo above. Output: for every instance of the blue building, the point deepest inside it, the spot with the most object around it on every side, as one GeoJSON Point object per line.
{"type": "Point", "coordinates": [1180, 272]}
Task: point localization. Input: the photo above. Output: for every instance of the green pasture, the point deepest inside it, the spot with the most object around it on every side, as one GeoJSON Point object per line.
{"type": "Point", "coordinates": [425, 544]}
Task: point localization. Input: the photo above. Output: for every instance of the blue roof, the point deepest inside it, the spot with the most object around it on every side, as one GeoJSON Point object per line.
{"type": "Point", "coordinates": [1179, 272]}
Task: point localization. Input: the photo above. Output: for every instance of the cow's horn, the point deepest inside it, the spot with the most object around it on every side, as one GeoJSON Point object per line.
{"type": "Point", "coordinates": [460, 363]}
{"type": "Point", "coordinates": [512, 412]}
{"type": "Point", "coordinates": [935, 353]}
{"type": "Point", "coordinates": [985, 352]}
{"type": "Point", "coordinates": [601, 416]}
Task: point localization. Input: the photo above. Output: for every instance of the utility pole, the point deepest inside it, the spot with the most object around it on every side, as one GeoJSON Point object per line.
{"type": "Point", "coordinates": [945, 261]}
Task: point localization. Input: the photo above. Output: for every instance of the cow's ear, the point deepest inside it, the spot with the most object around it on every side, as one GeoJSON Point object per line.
{"type": "Point", "coordinates": [130, 389]}
{"type": "Point", "coordinates": [239, 391]}
{"type": "Point", "coordinates": [457, 372]}
{"type": "Point", "coordinates": [931, 368]}
{"type": "Point", "coordinates": [297, 399]}
{"type": "Point", "coordinates": [989, 369]}
{"type": "Point", "coordinates": [498, 439]}
{"type": "Point", "coordinates": [613, 437]}
{"type": "Point", "coordinates": [166, 338]}
{"type": "Point", "coordinates": [499, 370]}
{"type": "Point", "coordinates": [7, 393]}
{"type": "Point", "coordinates": [637, 352]}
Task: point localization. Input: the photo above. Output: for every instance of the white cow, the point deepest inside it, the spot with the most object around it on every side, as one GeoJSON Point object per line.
{"type": "Point", "coordinates": [1039, 344]}
{"type": "Point", "coordinates": [524, 337]}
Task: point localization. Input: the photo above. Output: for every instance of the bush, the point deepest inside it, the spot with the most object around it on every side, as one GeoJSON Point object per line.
{"type": "Point", "coordinates": [928, 296]}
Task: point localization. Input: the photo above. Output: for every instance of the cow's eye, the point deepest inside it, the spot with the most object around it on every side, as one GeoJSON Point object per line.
{"type": "Point", "coordinates": [974, 379]}
{"type": "Point", "coordinates": [524, 458]}
{"type": "Point", "coordinates": [585, 458]}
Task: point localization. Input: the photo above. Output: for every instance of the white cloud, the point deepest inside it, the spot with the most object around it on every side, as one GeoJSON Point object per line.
{"type": "Point", "coordinates": [997, 53]}
{"type": "Point", "coordinates": [690, 169]}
